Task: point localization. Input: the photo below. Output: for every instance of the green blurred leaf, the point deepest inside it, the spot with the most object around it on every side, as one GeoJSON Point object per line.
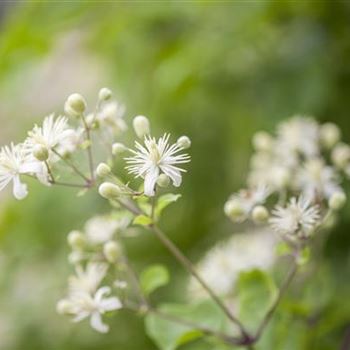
{"type": "Point", "coordinates": [256, 292]}
{"type": "Point", "coordinates": [154, 277]}
{"type": "Point", "coordinates": [169, 335]}
{"type": "Point", "coordinates": [142, 220]}
{"type": "Point", "coordinates": [304, 256]}
{"type": "Point", "coordinates": [164, 201]}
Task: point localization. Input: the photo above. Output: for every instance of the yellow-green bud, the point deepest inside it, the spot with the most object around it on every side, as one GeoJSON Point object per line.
{"type": "Point", "coordinates": [337, 200]}
{"type": "Point", "coordinates": [76, 239]}
{"type": "Point", "coordinates": [260, 214]}
{"type": "Point", "coordinates": [112, 251]}
{"type": "Point", "coordinates": [64, 307]}
{"type": "Point", "coordinates": [104, 94]}
{"type": "Point", "coordinates": [163, 180]}
{"type": "Point", "coordinates": [141, 126]}
{"type": "Point", "coordinates": [329, 134]}
{"type": "Point", "coordinates": [40, 152]}
{"type": "Point", "coordinates": [341, 155]}
{"type": "Point", "coordinates": [75, 105]}
{"type": "Point", "coordinates": [262, 141]}
{"type": "Point", "coordinates": [184, 142]}
{"type": "Point", "coordinates": [103, 170]}
{"type": "Point", "coordinates": [109, 190]}
{"type": "Point", "coordinates": [233, 209]}
{"type": "Point", "coordinates": [76, 257]}
{"type": "Point", "coordinates": [118, 148]}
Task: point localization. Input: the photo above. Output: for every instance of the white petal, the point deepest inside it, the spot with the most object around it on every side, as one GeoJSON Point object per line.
{"type": "Point", "coordinates": [150, 181]}
{"type": "Point", "coordinates": [110, 304]}
{"type": "Point", "coordinates": [81, 316]}
{"type": "Point", "coordinates": [19, 189]}
{"type": "Point", "coordinates": [97, 324]}
{"type": "Point", "coordinates": [173, 173]}
{"type": "Point", "coordinates": [30, 167]}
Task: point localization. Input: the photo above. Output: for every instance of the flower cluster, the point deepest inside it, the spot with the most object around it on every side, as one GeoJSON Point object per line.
{"type": "Point", "coordinates": [301, 169]}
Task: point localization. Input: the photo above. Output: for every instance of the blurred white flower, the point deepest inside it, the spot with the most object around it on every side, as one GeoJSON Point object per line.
{"type": "Point", "coordinates": [110, 117]}
{"type": "Point", "coordinates": [297, 220]}
{"type": "Point", "coordinates": [82, 305]}
{"type": "Point", "coordinates": [14, 161]}
{"type": "Point", "coordinates": [221, 266]}
{"type": "Point", "coordinates": [156, 157]}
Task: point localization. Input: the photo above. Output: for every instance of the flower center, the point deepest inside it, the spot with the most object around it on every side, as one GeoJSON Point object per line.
{"type": "Point", "coordinates": [154, 153]}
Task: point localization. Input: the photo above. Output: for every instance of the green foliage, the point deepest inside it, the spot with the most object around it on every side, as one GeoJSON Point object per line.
{"type": "Point", "coordinates": [154, 277]}
{"type": "Point", "coordinates": [165, 200]}
{"type": "Point", "coordinates": [256, 293]}
{"type": "Point", "coordinates": [169, 335]}
{"type": "Point", "coordinates": [142, 220]}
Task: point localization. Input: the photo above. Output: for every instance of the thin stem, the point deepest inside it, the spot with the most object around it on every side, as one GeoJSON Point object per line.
{"type": "Point", "coordinates": [89, 151]}
{"type": "Point", "coordinates": [50, 172]}
{"type": "Point", "coordinates": [72, 166]}
{"type": "Point", "coordinates": [189, 266]}
{"type": "Point", "coordinates": [280, 294]}
{"type": "Point", "coordinates": [68, 184]}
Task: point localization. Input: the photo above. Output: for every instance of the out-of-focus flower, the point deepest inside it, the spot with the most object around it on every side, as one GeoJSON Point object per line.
{"type": "Point", "coordinates": [156, 157]}
{"type": "Point", "coordinates": [110, 117]}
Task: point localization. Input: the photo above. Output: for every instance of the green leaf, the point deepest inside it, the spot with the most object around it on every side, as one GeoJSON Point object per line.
{"type": "Point", "coordinates": [164, 201]}
{"type": "Point", "coordinates": [154, 277]}
{"type": "Point", "coordinates": [142, 220]}
{"type": "Point", "coordinates": [256, 291]}
{"type": "Point", "coordinates": [169, 335]}
{"type": "Point", "coordinates": [143, 203]}
{"type": "Point", "coordinates": [283, 248]}
{"type": "Point", "coordinates": [304, 256]}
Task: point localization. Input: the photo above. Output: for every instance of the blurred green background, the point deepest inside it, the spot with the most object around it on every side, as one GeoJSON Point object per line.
{"type": "Point", "coordinates": [214, 70]}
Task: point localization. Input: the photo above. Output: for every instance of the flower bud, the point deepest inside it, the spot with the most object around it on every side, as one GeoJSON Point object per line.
{"type": "Point", "coordinates": [103, 170]}
{"type": "Point", "coordinates": [260, 214]}
{"type": "Point", "coordinates": [118, 148]}
{"type": "Point", "coordinates": [184, 142]}
{"type": "Point", "coordinates": [329, 134]}
{"type": "Point", "coordinates": [141, 126]}
{"type": "Point", "coordinates": [163, 180]}
{"type": "Point", "coordinates": [64, 307]}
{"type": "Point", "coordinates": [109, 190]}
{"type": "Point", "coordinates": [40, 152]}
{"type": "Point", "coordinates": [262, 141]}
{"type": "Point", "coordinates": [233, 209]}
{"type": "Point", "coordinates": [76, 257]}
{"type": "Point", "coordinates": [341, 155]}
{"type": "Point", "coordinates": [76, 239]}
{"type": "Point", "coordinates": [281, 177]}
{"type": "Point", "coordinates": [337, 200]}
{"type": "Point", "coordinates": [104, 94]}
{"type": "Point", "coordinates": [112, 251]}
{"type": "Point", "coordinates": [75, 105]}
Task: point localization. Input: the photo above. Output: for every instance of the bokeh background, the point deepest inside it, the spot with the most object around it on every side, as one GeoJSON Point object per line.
{"type": "Point", "coordinates": [215, 70]}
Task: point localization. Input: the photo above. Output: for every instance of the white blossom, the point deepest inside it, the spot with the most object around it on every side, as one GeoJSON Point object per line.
{"type": "Point", "coordinates": [110, 117]}
{"type": "Point", "coordinates": [154, 158]}
{"type": "Point", "coordinates": [297, 220]}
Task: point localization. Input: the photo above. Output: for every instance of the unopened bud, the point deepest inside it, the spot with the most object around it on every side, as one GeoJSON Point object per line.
{"type": "Point", "coordinates": [341, 155]}
{"type": "Point", "coordinates": [141, 126]}
{"type": "Point", "coordinates": [262, 141]}
{"type": "Point", "coordinates": [118, 148]}
{"type": "Point", "coordinates": [337, 200]}
{"type": "Point", "coordinates": [233, 209]}
{"type": "Point", "coordinates": [103, 170]}
{"type": "Point", "coordinates": [109, 190]}
{"type": "Point", "coordinates": [329, 134]}
{"type": "Point", "coordinates": [76, 257]}
{"type": "Point", "coordinates": [163, 180]}
{"type": "Point", "coordinates": [76, 239]}
{"type": "Point", "coordinates": [184, 142]}
{"type": "Point", "coordinates": [75, 105]}
{"type": "Point", "coordinates": [260, 214]}
{"type": "Point", "coordinates": [104, 94]}
{"type": "Point", "coordinates": [40, 152]}
{"type": "Point", "coordinates": [281, 177]}
{"type": "Point", "coordinates": [64, 307]}
{"type": "Point", "coordinates": [111, 251]}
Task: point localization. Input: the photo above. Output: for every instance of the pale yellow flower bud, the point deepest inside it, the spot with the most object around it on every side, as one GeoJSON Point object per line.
{"type": "Point", "coordinates": [40, 152]}
{"type": "Point", "coordinates": [112, 251]}
{"type": "Point", "coordinates": [163, 180]}
{"type": "Point", "coordinates": [109, 190]}
{"type": "Point", "coordinates": [141, 126]}
{"type": "Point", "coordinates": [76, 239]}
{"type": "Point", "coordinates": [233, 209]}
{"type": "Point", "coordinates": [184, 142]}
{"type": "Point", "coordinates": [341, 155]}
{"type": "Point", "coordinates": [260, 214]}
{"type": "Point", "coordinates": [103, 170]}
{"type": "Point", "coordinates": [262, 141]}
{"type": "Point", "coordinates": [118, 148]}
{"type": "Point", "coordinates": [329, 134]}
{"type": "Point", "coordinates": [75, 105]}
{"type": "Point", "coordinates": [104, 94]}
{"type": "Point", "coordinates": [337, 200]}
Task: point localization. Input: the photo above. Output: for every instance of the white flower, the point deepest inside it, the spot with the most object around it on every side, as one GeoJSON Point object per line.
{"type": "Point", "coordinates": [155, 158]}
{"type": "Point", "coordinates": [14, 161]}
{"type": "Point", "coordinates": [73, 139]}
{"type": "Point", "coordinates": [51, 134]}
{"type": "Point", "coordinates": [111, 117]}
{"type": "Point", "coordinates": [298, 219]}
{"type": "Point", "coordinates": [82, 305]}
{"type": "Point", "coordinates": [89, 279]}
{"type": "Point", "coordinates": [221, 266]}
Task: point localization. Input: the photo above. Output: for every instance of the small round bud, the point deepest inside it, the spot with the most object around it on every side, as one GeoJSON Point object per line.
{"type": "Point", "coordinates": [184, 142]}
{"type": "Point", "coordinates": [281, 177]}
{"type": "Point", "coordinates": [40, 152]}
{"type": "Point", "coordinates": [76, 239]}
{"type": "Point", "coordinates": [233, 209]}
{"type": "Point", "coordinates": [341, 155]}
{"type": "Point", "coordinates": [104, 94]}
{"type": "Point", "coordinates": [141, 126]}
{"type": "Point", "coordinates": [329, 134]}
{"type": "Point", "coordinates": [163, 180]}
{"type": "Point", "coordinates": [260, 214]}
{"type": "Point", "coordinates": [75, 105]}
{"type": "Point", "coordinates": [76, 257]}
{"type": "Point", "coordinates": [337, 200]}
{"type": "Point", "coordinates": [111, 251]}
{"type": "Point", "coordinates": [262, 141]}
{"type": "Point", "coordinates": [109, 190]}
{"type": "Point", "coordinates": [103, 170]}
{"type": "Point", "coordinates": [118, 148]}
{"type": "Point", "coordinates": [64, 307]}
